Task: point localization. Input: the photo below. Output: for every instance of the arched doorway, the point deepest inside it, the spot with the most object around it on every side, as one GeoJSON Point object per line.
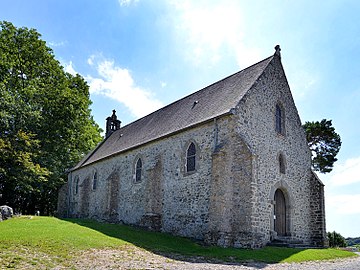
{"type": "Point", "coordinates": [280, 213]}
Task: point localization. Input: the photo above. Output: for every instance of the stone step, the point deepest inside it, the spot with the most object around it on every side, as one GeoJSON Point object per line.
{"type": "Point", "coordinates": [285, 241]}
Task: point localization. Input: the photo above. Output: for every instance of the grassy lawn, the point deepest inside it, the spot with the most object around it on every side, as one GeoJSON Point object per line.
{"type": "Point", "coordinates": [47, 241]}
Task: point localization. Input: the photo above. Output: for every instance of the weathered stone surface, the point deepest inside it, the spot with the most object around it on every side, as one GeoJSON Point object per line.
{"type": "Point", "coordinates": [229, 199]}
{"type": "Point", "coordinates": [6, 212]}
{"type": "Point", "coordinates": [62, 209]}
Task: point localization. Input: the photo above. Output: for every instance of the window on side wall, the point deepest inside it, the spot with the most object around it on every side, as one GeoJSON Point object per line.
{"type": "Point", "coordinates": [279, 119]}
{"type": "Point", "coordinates": [138, 170]}
{"type": "Point", "coordinates": [76, 182]}
{"type": "Point", "coordinates": [281, 163]}
{"type": "Point", "coordinates": [191, 158]}
{"type": "Point", "coordinates": [95, 178]}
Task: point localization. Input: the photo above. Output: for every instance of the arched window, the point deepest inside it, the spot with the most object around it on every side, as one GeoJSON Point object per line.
{"type": "Point", "coordinates": [76, 182]}
{"type": "Point", "coordinates": [279, 119]}
{"type": "Point", "coordinates": [191, 158]}
{"type": "Point", "coordinates": [95, 176]}
{"type": "Point", "coordinates": [138, 169]}
{"type": "Point", "coordinates": [281, 163]}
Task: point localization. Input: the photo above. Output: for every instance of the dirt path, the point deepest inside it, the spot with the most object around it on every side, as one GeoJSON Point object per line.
{"type": "Point", "coordinates": [136, 258]}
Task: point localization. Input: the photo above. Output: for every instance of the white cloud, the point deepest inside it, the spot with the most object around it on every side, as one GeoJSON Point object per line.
{"type": "Point", "coordinates": [116, 83]}
{"type": "Point", "coordinates": [127, 2]}
{"type": "Point", "coordinates": [346, 173]}
{"type": "Point", "coordinates": [57, 44]}
{"type": "Point", "coordinates": [302, 81]}
{"type": "Point", "coordinates": [68, 67]}
{"type": "Point", "coordinates": [90, 60]}
{"type": "Point", "coordinates": [212, 30]}
{"type": "Point", "coordinates": [304, 75]}
{"type": "Point", "coordinates": [344, 204]}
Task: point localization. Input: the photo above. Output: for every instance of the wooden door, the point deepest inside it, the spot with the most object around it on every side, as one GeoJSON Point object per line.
{"type": "Point", "coordinates": [280, 213]}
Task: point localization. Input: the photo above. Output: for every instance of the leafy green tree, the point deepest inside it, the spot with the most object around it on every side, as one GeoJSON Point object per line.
{"type": "Point", "coordinates": [46, 124]}
{"type": "Point", "coordinates": [353, 241]}
{"type": "Point", "coordinates": [336, 239]}
{"type": "Point", "coordinates": [324, 144]}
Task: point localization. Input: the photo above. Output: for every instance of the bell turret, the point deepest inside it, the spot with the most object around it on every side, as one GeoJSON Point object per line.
{"type": "Point", "coordinates": [112, 124]}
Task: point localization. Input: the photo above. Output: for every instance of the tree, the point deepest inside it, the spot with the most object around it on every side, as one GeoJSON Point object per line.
{"type": "Point", "coordinates": [45, 121]}
{"type": "Point", "coordinates": [324, 144]}
{"type": "Point", "coordinates": [353, 241]}
{"type": "Point", "coordinates": [336, 239]}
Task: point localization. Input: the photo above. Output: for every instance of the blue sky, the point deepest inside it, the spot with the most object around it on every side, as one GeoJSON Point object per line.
{"type": "Point", "coordinates": [140, 55]}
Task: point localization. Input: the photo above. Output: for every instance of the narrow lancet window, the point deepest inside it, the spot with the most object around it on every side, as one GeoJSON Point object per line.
{"type": "Point", "coordinates": [95, 180]}
{"type": "Point", "coordinates": [138, 170]}
{"type": "Point", "coordinates": [279, 120]}
{"type": "Point", "coordinates": [281, 164]}
{"type": "Point", "coordinates": [191, 158]}
{"type": "Point", "coordinates": [76, 191]}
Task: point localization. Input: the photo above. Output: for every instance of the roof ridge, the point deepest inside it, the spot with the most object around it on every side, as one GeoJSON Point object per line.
{"type": "Point", "coordinates": [193, 93]}
{"type": "Point", "coordinates": [214, 100]}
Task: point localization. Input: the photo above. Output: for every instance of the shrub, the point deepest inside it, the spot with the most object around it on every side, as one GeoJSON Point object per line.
{"type": "Point", "coordinates": [336, 239]}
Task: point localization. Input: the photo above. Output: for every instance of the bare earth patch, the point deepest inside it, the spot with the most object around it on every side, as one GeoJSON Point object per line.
{"type": "Point", "coordinates": [25, 258]}
{"type": "Point", "coordinates": [137, 258]}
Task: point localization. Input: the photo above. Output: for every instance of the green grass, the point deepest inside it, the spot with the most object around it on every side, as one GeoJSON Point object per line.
{"type": "Point", "coordinates": [47, 240]}
{"type": "Point", "coordinates": [50, 241]}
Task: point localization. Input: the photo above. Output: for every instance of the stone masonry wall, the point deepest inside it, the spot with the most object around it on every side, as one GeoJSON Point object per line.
{"type": "Point", "coordinates": [230, 205]}
{"type": "Point", "coordinates": [167, 198]}
{"type": "Point", "coordinates": [256, 124]}
{"type": "Point", "coordinates": [317, 207]}
{"type": "Point", "coordinates": [211, 204]}
{"type": "Point", "coordinates": [62, 203]}
{"type": "Point", "coordinates": [229, 199]}
{"type": "Point", "coordinates": [111, 206]}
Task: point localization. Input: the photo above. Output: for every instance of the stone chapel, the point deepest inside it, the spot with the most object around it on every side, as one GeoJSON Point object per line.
{"type": "Point", "coordinates": [228, 165]}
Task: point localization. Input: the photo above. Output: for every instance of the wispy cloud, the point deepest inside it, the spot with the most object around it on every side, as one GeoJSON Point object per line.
{"type": "Point", "coordinates": [344, 204]}
{"type": "Point", "coordinates": [57, 44]}
{"type": "Point", "coordinates": [68, 67]}
{"type": "Point", "coordinates": [302, 80]}
{"type": "Point", "coordinates": [341, 199]}
{"type": "Point", "coordinates": [127, 2]}
{"type": "Point", "coordinates": [117, 83]}
{"type": "Point", "coordinates": [346, 173]}
{"type": "Point", "coordinates": [211, 30]}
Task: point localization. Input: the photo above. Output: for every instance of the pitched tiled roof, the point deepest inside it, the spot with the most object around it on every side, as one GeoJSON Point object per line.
{"type": "Point", "coordinates": [201, 106]}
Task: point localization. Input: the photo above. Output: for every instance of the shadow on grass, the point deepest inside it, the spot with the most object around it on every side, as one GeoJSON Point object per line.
{"type": "Point", "coordinates": [184, 249]}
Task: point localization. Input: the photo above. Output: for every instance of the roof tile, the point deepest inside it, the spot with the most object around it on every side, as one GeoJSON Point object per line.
{"type": "Point", "coordinates": [210, 102]}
